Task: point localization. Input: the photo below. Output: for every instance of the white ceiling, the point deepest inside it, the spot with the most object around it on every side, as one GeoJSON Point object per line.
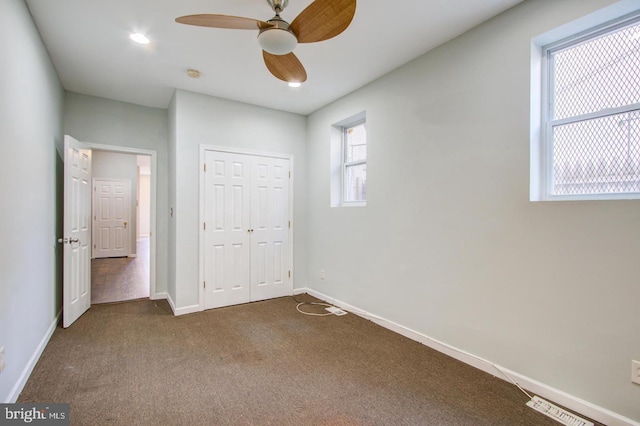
{"type": "Point", "coordinates": [90, 47]}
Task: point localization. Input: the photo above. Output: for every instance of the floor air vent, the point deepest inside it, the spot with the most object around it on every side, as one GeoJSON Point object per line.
{"type": "Point", "coordinates": [557, 413]}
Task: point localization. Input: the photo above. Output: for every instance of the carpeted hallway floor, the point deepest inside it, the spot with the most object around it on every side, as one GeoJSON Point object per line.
{"type": "Point", "coordinates": [121, 278]}
{"type": "Point", "coordinates": [262, 363]}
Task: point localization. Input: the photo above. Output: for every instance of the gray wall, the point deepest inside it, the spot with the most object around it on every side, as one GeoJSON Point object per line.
{"type": "Point", "coordinates": [449, 244]}
{"type": "Point", "coordinates": [206, 120]}
{"type": "Point", "coordinates": [31, 98]}
{"type": "Point", "coordinates": [115, 165]}
{"type": "Point", "coordinates": [107, 122]}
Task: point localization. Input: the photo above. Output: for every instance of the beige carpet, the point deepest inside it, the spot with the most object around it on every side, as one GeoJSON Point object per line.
{"type": "Point", "coordinates": [263, 363]}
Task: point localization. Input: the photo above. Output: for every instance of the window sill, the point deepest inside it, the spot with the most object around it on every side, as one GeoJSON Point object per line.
{"type": "Point", "coordinates": [590, 197]}
{"type": "Point", "coordinates": [355, 204]}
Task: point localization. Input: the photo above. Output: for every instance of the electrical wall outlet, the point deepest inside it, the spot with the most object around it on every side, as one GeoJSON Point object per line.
{"type": "Point", "coordinates": [2, 362]}
{"type": "Point", "coordinates": [635, 372]}
{"type": "Point", "coordinates": [322, 274]}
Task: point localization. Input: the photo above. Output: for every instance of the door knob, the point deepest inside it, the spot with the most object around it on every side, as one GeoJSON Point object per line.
{"type": "Point", "coordinates": [125, 225]}
{"type": "Point", "coordinates": [68, 240]}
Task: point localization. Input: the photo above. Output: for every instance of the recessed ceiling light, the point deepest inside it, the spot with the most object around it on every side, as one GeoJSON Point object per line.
{"type": "Point", "coordinates": [294, 84]}
{"type": "Point", "coordinates": [139, 38]}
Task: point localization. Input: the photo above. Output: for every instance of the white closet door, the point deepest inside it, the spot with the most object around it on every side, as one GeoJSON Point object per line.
{"type": "Point", "coordinates": [227, 235]}
{"type": "Point", "coordinates": [111, 218]}
{"type": "Point", "coordinates": [270, 225]}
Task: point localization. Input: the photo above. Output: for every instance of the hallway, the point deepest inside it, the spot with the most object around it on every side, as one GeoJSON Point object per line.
{"type": "Point", "coordinates": [121, 278]}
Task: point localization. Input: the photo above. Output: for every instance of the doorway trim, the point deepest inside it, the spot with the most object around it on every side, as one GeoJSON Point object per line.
{"type": "Point", "coordinates": [153, 294]}
{"type": "Point", "coordinates": [201, 217]}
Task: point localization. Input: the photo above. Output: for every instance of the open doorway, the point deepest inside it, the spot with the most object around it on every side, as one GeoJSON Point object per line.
{"type": "Point", "coordinates": [121, 213]}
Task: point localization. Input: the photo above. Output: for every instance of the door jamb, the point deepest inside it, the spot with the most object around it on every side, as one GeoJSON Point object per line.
{"type": "Point", "coordinates": [230, 150]}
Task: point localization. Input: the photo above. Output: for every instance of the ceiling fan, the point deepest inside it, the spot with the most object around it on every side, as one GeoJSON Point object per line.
{"type": "Point", "coordinates": [321, 20]}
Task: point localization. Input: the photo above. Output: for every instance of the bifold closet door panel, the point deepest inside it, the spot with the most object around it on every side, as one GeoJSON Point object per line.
{"type": "Point", "coordinates": [227, 235]}
{"type": "Point", "coordinates": [270, 228]}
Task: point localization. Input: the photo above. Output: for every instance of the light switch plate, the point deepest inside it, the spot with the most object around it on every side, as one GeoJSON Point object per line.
{"type": "Point", "coordinates": [635, 372]}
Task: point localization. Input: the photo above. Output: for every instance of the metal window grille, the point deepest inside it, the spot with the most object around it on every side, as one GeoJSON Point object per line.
{"type": "Point", "coordinates": [355, 163]}
{"type": "Point", "coordinates": [594, 113]}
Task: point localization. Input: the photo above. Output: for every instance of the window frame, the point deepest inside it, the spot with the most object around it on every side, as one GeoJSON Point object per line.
{"type": "Point", "coordinates": [548, 107]}
{"type": "Point", "coordinates": [345, 164]}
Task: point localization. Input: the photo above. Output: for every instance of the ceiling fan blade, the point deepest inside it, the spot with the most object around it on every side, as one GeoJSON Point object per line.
{"type": "Point", "coordinates": [323, 19]}
{"type": "Point", "coordinates": [285, 67]}
{"type": "Point", "coordinates": [223, 21]}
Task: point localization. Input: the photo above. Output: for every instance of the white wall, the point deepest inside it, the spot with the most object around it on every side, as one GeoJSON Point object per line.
{"type": "Point", "coordinates": [31, 99]}
{"type": "Point", "coordinates": [201, 119]}
{"type": "Point", "coordinates": [115, 165]}
{"type": "Point", "coordinates": [108, 122]}
{"type": "Point", "coordinates": [449, 244]}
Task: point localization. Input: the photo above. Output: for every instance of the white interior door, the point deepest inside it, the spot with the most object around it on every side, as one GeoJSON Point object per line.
{"type": "Point", "coordinates": [111, 218]}
{"type": "Point", "coordinates": [77, 231]}
{"type": "Point", "coordinates": [246, 228]}
{"type": "Point", "coordinates": [270, 228]}
{"type": "Point", "coordinates": [227, 229]}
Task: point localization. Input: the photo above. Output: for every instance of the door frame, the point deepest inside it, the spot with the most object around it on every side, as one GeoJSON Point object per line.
{"type": "Point", "coordinates": [153, 294]}
{"type": "Point", "coordinates": [201, 203]}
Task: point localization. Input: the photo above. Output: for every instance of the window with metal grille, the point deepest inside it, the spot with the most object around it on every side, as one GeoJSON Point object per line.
{"type": "Point", "coordinates": [592, 114]}
{"type": "Point", "coordinates": [354, 170]}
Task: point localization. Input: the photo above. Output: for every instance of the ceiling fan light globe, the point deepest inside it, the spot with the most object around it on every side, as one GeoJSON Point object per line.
{"type": "Point", "coordinates": [277, 41]}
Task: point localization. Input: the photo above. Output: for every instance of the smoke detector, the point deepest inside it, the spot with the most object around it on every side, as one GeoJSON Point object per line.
{"type": "Point", "coordinates": [193, 73]}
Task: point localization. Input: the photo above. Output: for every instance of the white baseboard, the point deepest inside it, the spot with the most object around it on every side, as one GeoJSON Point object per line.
{"type": "Point", "coordinates": [187, 310]}
{"type": "Point", "coordinates": [559, 397]}
{"type": "Point", "coordinates": [158, 296]}
{"type": "Point", "coordinates": [28, 369]}
{"type": "Point", "coordinates": [171, 303]}
{"type": "Point", "coordinates": [183, 310]}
